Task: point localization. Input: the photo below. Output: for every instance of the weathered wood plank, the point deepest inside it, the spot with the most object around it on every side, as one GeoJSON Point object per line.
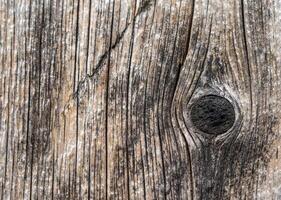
{"type": "Point", "coordinates": [95, 99]}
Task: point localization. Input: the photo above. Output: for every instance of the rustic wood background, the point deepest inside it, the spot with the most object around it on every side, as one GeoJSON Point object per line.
{"type": "Point", "coordinates": [95, 95]}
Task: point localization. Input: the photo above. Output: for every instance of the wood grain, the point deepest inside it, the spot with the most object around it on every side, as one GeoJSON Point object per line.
{"type": "Point", "coordinates": [95, 99]}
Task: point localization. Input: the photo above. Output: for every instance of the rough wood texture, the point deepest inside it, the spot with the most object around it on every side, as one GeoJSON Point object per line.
{"type": "Point", "coordinates": [95, 99]}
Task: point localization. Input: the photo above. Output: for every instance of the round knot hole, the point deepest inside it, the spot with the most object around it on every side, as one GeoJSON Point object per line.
{"type": "Point", "coordinates": [212, 114]}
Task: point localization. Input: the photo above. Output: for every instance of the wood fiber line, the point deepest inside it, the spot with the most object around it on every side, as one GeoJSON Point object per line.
{"type": "Point", "coordinates": [96, 98]}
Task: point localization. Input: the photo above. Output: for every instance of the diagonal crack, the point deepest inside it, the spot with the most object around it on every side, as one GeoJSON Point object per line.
{"type": "Point", "coordinates": [100, 62]}
{"type": "Point", "coordinates": [145, 6]}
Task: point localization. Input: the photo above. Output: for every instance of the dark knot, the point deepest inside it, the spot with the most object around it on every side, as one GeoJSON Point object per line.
{"type": "Point", "coordinates": [212, 114]}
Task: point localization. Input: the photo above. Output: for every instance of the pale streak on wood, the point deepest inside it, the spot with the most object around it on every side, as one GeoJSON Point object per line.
{"type": "Point", "coordinates": [55, 68]}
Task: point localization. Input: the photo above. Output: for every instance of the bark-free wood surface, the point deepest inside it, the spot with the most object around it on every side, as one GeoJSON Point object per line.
{"type": "Point", "coordinates": [95, 98]}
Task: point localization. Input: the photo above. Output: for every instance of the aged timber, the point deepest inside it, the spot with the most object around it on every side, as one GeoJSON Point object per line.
{"type": "Point", "coordinates": [140, 99]}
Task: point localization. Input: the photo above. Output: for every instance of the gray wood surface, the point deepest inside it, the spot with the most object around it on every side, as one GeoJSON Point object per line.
{"type": "Point", "coordinates": [95, 99]}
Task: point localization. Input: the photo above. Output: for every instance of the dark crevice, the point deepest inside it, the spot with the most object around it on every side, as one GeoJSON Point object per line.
{"type": "Point", "coordinates": [146, 5]}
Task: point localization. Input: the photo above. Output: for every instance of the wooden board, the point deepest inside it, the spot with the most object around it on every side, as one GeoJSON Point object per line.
{"type": "Point", "coordinates": [95, 99]}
